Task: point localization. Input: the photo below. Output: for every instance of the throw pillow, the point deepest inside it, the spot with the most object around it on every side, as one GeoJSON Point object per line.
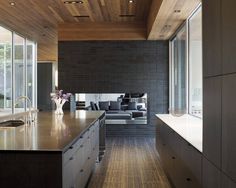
{"type": "Point", "coordinates": [103, 105]}
{"type": "Point", "coordinates": [114, 105]}
{"type": "Point", "coordinates": [132, 106]}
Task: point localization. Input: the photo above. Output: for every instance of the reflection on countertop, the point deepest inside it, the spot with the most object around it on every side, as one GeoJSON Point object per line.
{"type": "Point", "coordinates": [49, 132]}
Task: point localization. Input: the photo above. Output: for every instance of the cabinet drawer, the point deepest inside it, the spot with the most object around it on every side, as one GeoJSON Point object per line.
{"type": "Point", "coordinates": [71, 151]}
{"type": "Point", "coordinates": [68, 173]}
{"type": "Point", "coordinates": [192, 159]}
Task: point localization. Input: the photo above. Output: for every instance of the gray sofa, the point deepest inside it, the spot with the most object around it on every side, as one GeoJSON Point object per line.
{"type": "Point", "coordinates": [115, 110]}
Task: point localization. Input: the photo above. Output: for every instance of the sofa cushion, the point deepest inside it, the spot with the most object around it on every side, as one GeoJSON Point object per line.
{"type": "Point", "coordinates": [114, 105]}
{"type": "Point", "coordinates": [124, 107]}
{"type": "Point", "coordinates": [132, 106]}
{"type": "Point", "coordinates": [92, 104]}
{"type": "Point", "coordinates": [103, 105]}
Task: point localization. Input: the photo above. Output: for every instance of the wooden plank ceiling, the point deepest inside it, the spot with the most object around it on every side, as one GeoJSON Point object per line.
{"type": "Point", "coordinates": [92, 20]}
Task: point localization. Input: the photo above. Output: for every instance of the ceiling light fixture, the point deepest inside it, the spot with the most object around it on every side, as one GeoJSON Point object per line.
{"type": "Point", "coordinates": [177, 11]}
{"type": "Point", "coordinates": [12, 3]}
{"type": "Point", "coordinates": [131, 1]}
{"type": "Point", "coordinates": [73, 2]}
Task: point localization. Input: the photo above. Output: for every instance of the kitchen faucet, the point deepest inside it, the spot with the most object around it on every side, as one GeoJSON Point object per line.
{"type": "Point", "coordinates": [30, 106]}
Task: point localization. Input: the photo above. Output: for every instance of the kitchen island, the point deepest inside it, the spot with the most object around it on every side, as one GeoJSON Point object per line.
{"type": "Point", "coordinates": [54, 151]}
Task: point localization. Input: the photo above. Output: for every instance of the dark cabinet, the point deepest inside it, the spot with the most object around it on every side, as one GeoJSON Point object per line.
{"type": "Point", "coordinates": [228, 125]}
{"type": "Point", "coordinates": [228, 36]}
{"type": "Point", "coordinates": [212, 119]}
{"type": "Point", "coordinates": [212, 37]}
{"type": "Point", "coordinates": [227, 182]}
{"type": "Point", "coordinates": [180, 160]}
{"type": "Point", "coordinates": [211, 176]}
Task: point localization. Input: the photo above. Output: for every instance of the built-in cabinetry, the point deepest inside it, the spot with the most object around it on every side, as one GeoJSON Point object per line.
{"type": "Point", "coordinates": [79, 159]}
{"type": "Point", "coordinates": [181, 161]}
{"type": "Point", "coordinates": [219, 130]}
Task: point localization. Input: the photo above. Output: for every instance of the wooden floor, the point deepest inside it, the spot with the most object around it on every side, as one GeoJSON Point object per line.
{"type": "Point", "coordinates": [129, 163]}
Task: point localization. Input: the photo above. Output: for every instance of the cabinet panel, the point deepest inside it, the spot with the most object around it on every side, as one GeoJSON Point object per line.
{"type": "Point", "coordinates": [212, 119]}
{"type": "Point", "coordinates": [181, 161]}
{"type": "Point", "coordinates": [192, 161]}
{"type": "Point", "coordinates": [228, 34]}
{"type": "Point", "coordinates": [158, 137]}
{"type": "Point", "coordinates": [227, 182]}
{"type": "Point", "coordinates": [211, 37]}
{"type": "Point", "coordinates": [68, 173]}
{"type": "Point", "coordinates": [211, 176]}
{"type": "Point", "coordinates": [228, 126]}
{"type": "Point", "coordinates": [80, 158]}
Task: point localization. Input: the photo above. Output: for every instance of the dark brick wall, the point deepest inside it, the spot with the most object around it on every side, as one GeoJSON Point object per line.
{"type": "Point", "coordinates": [118, 66]}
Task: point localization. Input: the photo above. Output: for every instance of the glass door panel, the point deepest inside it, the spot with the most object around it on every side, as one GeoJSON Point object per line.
{"type": "Point", "coordinates": [5, 71]}
{"type": "Point", "coordinates": [19, 70]}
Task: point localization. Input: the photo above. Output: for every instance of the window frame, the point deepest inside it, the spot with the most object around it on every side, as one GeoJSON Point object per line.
{"type": "Point", "coordinates": [188, 52]}
{"type": "Point", "coordinates": [186, 24]}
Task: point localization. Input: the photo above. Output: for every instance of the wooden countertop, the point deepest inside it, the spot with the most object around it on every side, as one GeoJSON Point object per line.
{"type": "Point", "coordinates": [50, 132]}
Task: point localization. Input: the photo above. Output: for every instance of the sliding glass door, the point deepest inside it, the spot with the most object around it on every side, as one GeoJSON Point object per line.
{"type": "Point", "coordinates": [19, 67]}
{"type": "Point", "coordinates": [5, 71]}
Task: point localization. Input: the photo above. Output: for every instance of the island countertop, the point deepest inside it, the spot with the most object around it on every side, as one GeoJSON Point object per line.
{"type": "Point", "coordinates": [49, 132]}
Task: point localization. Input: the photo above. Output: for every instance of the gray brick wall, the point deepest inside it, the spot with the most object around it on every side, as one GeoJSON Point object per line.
{"type": "Point", "coordinates": [118, 66]}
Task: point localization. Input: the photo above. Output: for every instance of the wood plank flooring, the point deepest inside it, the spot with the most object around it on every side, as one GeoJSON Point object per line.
{"type": "Point", "coordinates": [129, 163]}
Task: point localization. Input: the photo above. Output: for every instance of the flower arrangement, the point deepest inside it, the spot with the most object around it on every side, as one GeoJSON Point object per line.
{"type": "Point", "coordinates": [60, 98]}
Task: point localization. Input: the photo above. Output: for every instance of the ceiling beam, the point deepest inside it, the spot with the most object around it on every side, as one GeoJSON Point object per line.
{"type": "Point", "coordinates": [153, 18]}
{"type": "Point", "coordinates": [166, 16]}
{"type": "Point", "coordinates": [102, 31]}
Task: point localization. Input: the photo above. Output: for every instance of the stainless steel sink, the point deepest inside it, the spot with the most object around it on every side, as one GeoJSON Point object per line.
{"type": "Point", "coordinates": [12, 123]}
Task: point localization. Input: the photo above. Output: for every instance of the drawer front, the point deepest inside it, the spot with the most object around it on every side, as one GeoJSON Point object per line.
{"type": "Point", "coordinates": [71, 151]}
{"type": "Point", "coordinates": [181, 161]}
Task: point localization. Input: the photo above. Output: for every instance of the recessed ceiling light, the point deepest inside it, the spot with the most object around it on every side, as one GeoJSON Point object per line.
{"type": "Point", "coordinates": [167, 26]}
{"type": "Point", "coordinates": [73, 2]}
{"type": "Point", "coordinates": [131, 1]}
{"type": "Point", "coordinates": [177, 11]}
{"type": "Point", "coordinates": [12, 3]}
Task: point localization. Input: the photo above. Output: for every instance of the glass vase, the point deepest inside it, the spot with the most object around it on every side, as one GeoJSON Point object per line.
{"type": "Point", "coordinates": [59, 105]}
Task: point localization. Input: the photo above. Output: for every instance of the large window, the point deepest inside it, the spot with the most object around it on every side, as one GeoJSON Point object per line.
{"type": "Point", "coordinates": [19, 68]}
{"type": "Point", "coordinates": [5, 71]}
{"type": "Point", "coordinates": [178, 72]}
{"type": "Point", "coordinates": [30, 69]}
{"type": "Point", "coordinates": [17, 71]}
{"type": "Point", "coordinates": [186, 67]}
{"type": "Point", "coordinates": [195, 64]}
